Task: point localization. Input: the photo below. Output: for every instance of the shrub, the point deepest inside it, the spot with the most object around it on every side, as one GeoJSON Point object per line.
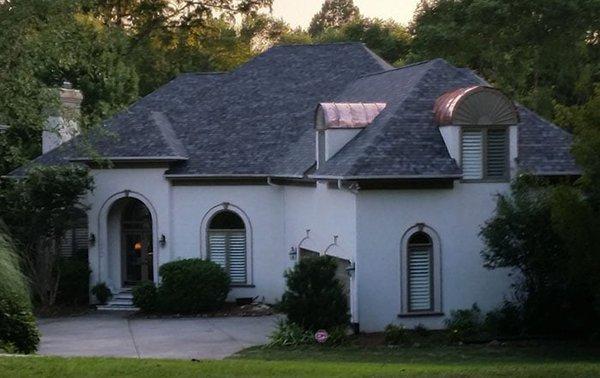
{"type": "Point", "coordinates": [465, 324]}
{"type": "Point", "coordinates": [74, 283]}
{"type": "Point", "coordinates": [192, 286]}
{"type": "Point", "coordinates": [102, 292]}
{"type": "Point", "coordinates": [506, 320]}
{"type": "Point", "coordinates": [314, 298]}
{"type": "Point", "coordinates": [291, 334]}
{"type": "Point", "coordinates": [18, 329]}
{"type": "Point", "coordinates": [396, 335]}
{"type": "Point", "coordinates": [421, 330]}
{"type": "Point", "coordinates": [145, 296]}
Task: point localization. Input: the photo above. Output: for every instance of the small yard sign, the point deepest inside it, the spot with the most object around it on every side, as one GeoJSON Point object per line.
{"type": "Point", "coordinates": [321, 336]}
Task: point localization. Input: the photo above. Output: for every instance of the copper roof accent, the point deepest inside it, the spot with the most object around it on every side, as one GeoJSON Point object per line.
{"type": "Point", "coordinates": [489, 107]}
{"type": "Point", "coordinates": [347, 115]}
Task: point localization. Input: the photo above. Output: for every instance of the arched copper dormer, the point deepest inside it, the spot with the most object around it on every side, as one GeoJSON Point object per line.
{"type": "Point", "coordinates": [336, 115]}
{"type": "Point", "coordinates": [475, 105]}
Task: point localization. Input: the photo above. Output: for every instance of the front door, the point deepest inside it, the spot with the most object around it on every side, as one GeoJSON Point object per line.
{"type": "Point", "coordinates": [138, 257]}
{"type": "Point", "coordinates": [136, 232]}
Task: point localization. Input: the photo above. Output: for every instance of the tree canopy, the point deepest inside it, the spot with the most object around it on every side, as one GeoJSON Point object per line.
{"type": "Point", "coordinates": [333, 13]}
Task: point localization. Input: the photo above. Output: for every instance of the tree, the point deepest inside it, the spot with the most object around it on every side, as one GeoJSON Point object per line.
{"type": "Point", "coordinates": [43, 43]}
{"type": "Point", "coordinates": [541, 51]}
{"type": "Point", "coordinates": [549, 235]}
{"type": "Point", "coordinates": [388, 39]}
{"type": "Point", "coordinates": [37, 210]}
{"type": "Point", "coordinates": [333, 13]}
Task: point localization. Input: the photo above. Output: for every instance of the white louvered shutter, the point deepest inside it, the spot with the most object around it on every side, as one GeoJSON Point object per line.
{"type": "Point", "coordinates": [472, 154]}
{"type": "Point", "coordinates": [496, 149]}
{"type": "Point", "coordinates": [237, 257]}
{"type": "Point", "coordinates": [228, 249]}
{"type": "Point", "coordinates": [217, 247]}
{"type": "Point", "coordinates": [419, 279]}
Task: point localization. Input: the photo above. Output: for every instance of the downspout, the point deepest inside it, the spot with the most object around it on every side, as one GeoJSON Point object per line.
{"type": "Point", "coordinates": [352, 189]}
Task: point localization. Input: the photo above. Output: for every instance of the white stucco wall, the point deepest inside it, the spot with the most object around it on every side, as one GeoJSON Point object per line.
{"type": "Point", "coordinates": [262, 207]}
{"type": "Point", "coordinates": [369, 227]}
{"type": "Point", "coordinates": [456, 215]}
{"type": "Point", "coordinates": [145, 184]}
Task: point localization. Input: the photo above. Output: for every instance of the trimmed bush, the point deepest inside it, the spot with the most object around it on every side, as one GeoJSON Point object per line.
{"type": "Point", "coordinates": [314, 298]}
{"type": "Point", "coordinates": [18, 329]}
{"type": "Point", "coordinates": [102, 292]}
{"type": "Point", "coordinates": [74, 282]}
{"type": "Point", "coordinates": [396, 335]}
{"type": "Point", "coordinates": [145, 296]}
{"type": "Point", "coordinates": [465, 324]}
{"type": "Point", "coordinates": [192, 286]}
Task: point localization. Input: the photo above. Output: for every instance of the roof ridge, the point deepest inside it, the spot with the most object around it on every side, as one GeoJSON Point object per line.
{"type": "Point", "coordinates": [398, 68]}
{"type": "Point", "coordinates": [201, 73]}
{"type": "Point", "coordinates": [364, 151]}
{"type": "Point", "coordinates": [317, 44]}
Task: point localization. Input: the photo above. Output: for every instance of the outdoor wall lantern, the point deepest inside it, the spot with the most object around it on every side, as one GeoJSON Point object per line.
{"type": "Point", "coordinates": [163, 240]}
{"type": "Point", "coordinates": [293, 253]}
{"type": "Point", "coordinates": [350, 269]}
{"type": "Point", "coordinates": [92, 239]}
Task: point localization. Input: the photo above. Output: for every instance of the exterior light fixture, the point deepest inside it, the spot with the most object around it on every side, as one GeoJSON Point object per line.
{"type": "Point", "coordinates": [163, 240]}
{"type": "Point", "coordinates": [293, 253]}
{"type": "Point", "coordinates": [92, 239]}
{"type": "Point", "coordinates": [137, 246]}
{"type": "Point", "coordinates": [351, 269]}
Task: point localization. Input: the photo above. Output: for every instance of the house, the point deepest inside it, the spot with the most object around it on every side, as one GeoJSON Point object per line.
{"type": "Point", "coordinates": [316, 149]}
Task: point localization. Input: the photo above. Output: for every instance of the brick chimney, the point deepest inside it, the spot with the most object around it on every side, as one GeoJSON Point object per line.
{"type": "Point", "coordinates": [64, 124]}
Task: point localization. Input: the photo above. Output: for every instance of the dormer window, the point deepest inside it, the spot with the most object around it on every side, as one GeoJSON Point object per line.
{"type": "Point", "coordinates": [484, 154]}
{"type": "Point", "coordinates": [478, 125]}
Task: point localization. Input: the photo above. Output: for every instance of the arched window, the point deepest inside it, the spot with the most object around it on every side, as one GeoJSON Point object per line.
{"type": "Point", "coordinates": [420, 272]}
{"type": "Point", "coordinates": [227, 245]}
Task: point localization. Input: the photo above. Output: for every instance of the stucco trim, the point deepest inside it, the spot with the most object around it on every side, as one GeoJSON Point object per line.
{"type": "Point", "coordinates": [249, 241]}
{"type": "Point", "coordinates": [102, 244]}
{"type": "Point", "coordinates": [437, 270]}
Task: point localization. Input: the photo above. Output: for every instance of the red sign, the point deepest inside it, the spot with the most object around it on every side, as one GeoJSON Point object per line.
{"type": "Point", "coordinates": [321, 336]}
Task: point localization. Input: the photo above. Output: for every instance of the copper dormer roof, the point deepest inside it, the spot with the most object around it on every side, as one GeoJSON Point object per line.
{"type": "Point", "coordinates": [343, 115]}
{"type": "Point", "coordinates": [475, 105]}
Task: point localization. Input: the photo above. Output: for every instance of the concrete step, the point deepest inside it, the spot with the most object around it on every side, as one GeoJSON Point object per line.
{"type": "Point", "coordinates": [108, 307]}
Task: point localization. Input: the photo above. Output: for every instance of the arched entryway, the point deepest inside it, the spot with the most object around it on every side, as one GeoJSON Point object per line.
{"type": "Point", "coordinates": [130, 241]}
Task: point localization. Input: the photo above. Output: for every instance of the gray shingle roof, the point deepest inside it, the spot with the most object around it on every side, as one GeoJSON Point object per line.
{"type": "Point", "coordinates": [259, 119]}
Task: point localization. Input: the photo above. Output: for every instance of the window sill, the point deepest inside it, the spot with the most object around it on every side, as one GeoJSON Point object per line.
{"type": "Point", "coordinates": [485, 181]}
{"type": "Point", "coordinates": [241, 285]}
{"type": "Point", "coordinates": [420, 314]}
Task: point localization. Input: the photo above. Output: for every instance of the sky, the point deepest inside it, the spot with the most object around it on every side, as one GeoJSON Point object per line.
{"type": "Point", "coordinates": [300, 12]}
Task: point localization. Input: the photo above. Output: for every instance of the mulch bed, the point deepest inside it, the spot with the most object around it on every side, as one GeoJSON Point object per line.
{"type": "Point", "coordinates": [228, 310]}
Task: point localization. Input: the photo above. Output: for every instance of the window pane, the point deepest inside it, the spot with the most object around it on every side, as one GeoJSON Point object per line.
{"type": "Point", "coordinates": [472, 154]}
{"type": "Point", "coordinates": [419, 279]}
{"type": "Point", "coordinates": [226, 220]}
{"type": "Point", "coordinates": [217, 248]}
{"type": "Point", "coordinates": [497, 147]}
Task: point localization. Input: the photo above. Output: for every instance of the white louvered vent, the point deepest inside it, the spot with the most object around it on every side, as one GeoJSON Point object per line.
{"type": "Point", "coordinates": [472, 155]}
{"type": "Point", "coordinates": [419, 279]}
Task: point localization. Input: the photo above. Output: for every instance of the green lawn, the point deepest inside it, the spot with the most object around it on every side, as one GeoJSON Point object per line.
{"type": "Point", "coordinates": [331, 362]}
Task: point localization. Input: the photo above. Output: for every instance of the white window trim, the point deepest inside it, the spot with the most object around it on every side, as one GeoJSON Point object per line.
{"type": "Point", "coordinates": [437, 271]}
{"type": "Point", "coordinates": [226, 206]}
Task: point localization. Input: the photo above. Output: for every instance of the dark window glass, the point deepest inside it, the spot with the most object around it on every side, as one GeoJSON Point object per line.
{"type": "Point", "coordinates": [226, 220]}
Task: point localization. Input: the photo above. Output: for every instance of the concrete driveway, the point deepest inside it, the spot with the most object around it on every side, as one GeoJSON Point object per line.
{"type": "Point", "coordinates": [115, 334]}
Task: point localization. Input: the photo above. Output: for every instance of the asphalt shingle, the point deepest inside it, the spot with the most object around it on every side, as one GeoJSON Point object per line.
{"type": "Point", "coordinates": [259, 120]}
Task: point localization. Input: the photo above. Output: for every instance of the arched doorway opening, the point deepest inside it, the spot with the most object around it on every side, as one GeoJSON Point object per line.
{"type": "Point", "coordinates": [130, 242]}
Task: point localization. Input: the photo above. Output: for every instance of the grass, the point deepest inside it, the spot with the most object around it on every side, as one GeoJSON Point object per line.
{"type": "Point", "coordinates": [546, 361]}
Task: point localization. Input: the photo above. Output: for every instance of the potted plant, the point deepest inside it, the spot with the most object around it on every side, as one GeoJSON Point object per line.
{"type": "Point", "coordinates": [102, 292]}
